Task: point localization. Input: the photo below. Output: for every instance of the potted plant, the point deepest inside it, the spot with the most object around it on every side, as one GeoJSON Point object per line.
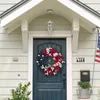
{"type": "Point", "coordinates": [84, 90]}
{"type": "Point", "coordinates": [21, 92]}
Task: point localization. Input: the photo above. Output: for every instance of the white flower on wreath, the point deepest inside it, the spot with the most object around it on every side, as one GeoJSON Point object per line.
{"type": "Point", "coordinates": [54, 64]}
{"type": "Point", "coordinates": [42, 67]}
{"type": "Point", "coordinates": [60, 65]}
{"type": "Point", "coordinates": [37, 61]}
{"type": "Point", "coordinates": [50, 54]}
{"type": "Point", "coordinates": [60, 54]}
{"type": "Point", "coordinates": [55, 73]}
{"type": "Point", "coordinates": [49, 65]}
{"type": "Point", "coordinates": [54, 59]}
{"type": "Point", "coordinates": [52, 68]}
{"type": "Point", "coordinates": [57, 64]}
{"type": "Point", "coordinates": [45, 68]}
{"type": "Point", "coordinates": [47, 50]}
{"type": "Point", "coordinates": [63, 61]}
{"type": "Point", "coordinates": [42, 55]}
{"type": "Point", "coordinates": [47, 73]}
{"type": "Point", "coordinates": [55, 54]}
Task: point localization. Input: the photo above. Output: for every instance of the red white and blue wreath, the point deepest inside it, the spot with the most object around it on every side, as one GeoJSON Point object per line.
{"type": "Point", "coordinates": [50, 60]}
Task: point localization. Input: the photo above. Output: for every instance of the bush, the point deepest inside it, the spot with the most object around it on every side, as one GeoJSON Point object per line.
{"type": "Point", "coordinates": [21, 92]}
{"type": "Point", "coordinates": [84, 85]}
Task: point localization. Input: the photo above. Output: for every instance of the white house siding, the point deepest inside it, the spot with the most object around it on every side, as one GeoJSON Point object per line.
{"type": "Point", "coordinates": [95, 4]}
{"type": "Point", "coordinates": [86, 49]}
{"type": "Point", "coordinates": [11, 73]}
{"type": "Point", "coordinates": [5, 4]}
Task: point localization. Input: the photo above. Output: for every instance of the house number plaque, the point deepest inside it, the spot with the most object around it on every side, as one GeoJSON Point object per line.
{"type": "Point", "coordinates": [80, 59]}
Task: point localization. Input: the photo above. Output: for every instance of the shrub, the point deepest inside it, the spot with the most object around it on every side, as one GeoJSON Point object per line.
{"type": "Point", "coordinates": [21, 92]}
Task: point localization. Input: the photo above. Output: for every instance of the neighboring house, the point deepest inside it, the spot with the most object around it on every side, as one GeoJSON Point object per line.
{"type": "Point", "coordinates": [24, 31]}
{"type": "Point", "coordinates": [5, 4]}
{"type": "Point", "coordinates": [94, 4]}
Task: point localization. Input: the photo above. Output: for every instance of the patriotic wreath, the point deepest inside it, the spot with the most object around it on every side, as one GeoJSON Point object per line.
{"type": "Point", "coordinates": [50, 60]}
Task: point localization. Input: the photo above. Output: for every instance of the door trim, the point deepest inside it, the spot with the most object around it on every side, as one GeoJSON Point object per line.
{"type": "Point", "coordinates": [55, 34]}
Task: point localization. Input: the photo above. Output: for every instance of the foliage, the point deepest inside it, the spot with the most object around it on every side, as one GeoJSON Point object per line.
{"type": "Point", "coordinates": [84, 85]}
{"type": "Point", "coordinates": [21, 92]}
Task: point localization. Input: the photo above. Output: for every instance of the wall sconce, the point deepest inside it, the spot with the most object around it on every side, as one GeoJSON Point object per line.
{"type": "Point", "coordinates": [50, 23]}
{"type": "Point", "coordinates": [49, 27]}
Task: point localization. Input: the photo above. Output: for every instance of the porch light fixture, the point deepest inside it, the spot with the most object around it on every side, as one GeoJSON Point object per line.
{"type": "Point", "coordinates": [49, 27]}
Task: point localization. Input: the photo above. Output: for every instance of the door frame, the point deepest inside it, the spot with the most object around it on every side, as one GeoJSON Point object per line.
{"type": "Point", "coordinates": [55, 34]}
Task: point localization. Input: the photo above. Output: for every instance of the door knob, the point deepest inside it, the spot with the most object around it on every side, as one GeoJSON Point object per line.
{"type": "Point", "coordinates": [64, 80]}
{"type": "Point", "coordinates": [64, 74]}
{"type": "Point", "coordinates": [64, 83]}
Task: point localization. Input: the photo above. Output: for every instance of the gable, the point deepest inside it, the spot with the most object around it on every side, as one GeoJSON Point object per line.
{"type": "Point", "coordinates": [67, 9]}
{"type": "Point", "coordinates": [72, 12]}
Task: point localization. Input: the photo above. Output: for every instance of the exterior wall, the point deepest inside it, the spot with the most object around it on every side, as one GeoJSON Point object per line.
{"type": "Point", "coordinates": [11, 73]}
{"type": "Point", "coordinates": [86, 49]}
{"type": "Point", "coordinates": [95, 4]}
{"type": "Point", "coordinates": [5, 4]}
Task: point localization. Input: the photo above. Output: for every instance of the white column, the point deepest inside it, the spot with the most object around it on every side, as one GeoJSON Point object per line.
{"type": "Point", "coordinates": [69, 68]}
{"type": "Point", "coordinates": [24, 29]}
{"type": "Point", "coordinates": [75, 32]}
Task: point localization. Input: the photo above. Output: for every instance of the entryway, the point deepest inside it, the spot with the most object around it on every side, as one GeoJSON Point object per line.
{"type": "Point", "coordinates": [49, 87]}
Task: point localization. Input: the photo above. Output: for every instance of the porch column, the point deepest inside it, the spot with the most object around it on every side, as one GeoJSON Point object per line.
{"type": "Point", "coordinates": [24, 29]}
{"type": "Point", "coordinates": [75, 34]}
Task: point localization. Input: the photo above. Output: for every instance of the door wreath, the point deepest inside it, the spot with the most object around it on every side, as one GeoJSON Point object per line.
{"type": "Point", "coordinates": [50, 60]}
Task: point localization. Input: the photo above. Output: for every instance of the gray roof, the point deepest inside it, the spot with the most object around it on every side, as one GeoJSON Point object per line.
{"type": "Point", "coordinates": [86, 7]}
{"type": "Point", "coordinates": [25, 1]}
{"type": "Point", "coordinates": [13, 8]}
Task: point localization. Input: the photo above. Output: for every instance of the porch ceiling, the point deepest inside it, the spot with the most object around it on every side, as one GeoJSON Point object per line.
{"type": "Point", "coordinates": [41, 8]}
